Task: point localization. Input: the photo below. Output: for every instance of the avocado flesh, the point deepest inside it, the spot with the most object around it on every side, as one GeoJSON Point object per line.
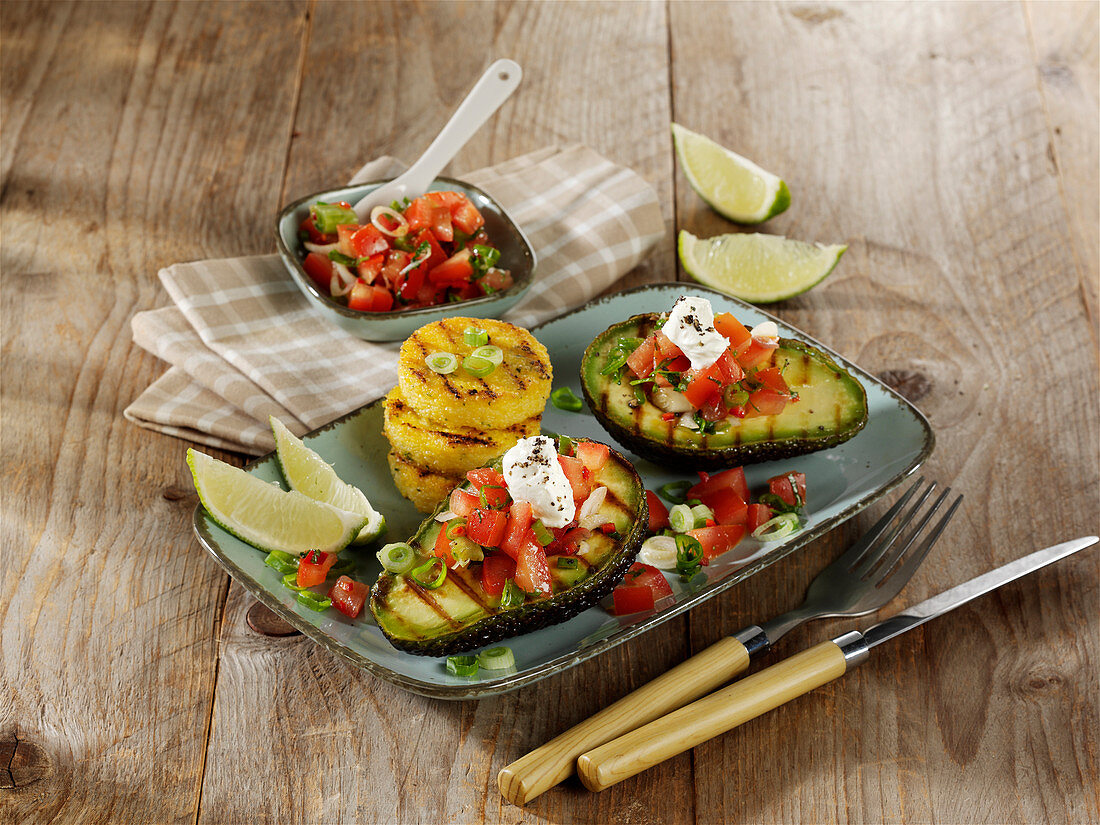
{"type": "Point", "coordinates": [831, 408]}
{"type": "Point", "coordinates": [459, 615]}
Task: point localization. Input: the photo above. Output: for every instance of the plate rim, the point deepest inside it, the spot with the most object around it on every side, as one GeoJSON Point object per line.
{"type": "Point", "coordinates": [514, 681]}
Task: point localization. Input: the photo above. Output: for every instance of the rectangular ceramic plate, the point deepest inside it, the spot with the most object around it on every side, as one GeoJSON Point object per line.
{"type": "Point", "coordinates": [842, 481]}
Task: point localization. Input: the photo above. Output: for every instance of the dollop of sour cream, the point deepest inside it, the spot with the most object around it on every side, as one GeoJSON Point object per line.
{"type": "Point", "coordinates": [690, 326]}
{"type": "Point", "coordinates": [532, 473]}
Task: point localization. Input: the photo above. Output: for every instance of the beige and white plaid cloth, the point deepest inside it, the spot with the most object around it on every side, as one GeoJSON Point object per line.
{"type": "Point", "coordinates": [243, 343]}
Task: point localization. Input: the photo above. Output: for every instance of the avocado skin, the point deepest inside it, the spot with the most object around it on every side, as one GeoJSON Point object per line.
{"type": "Point", "coordinates": [693, 458]}
{"type": "Point", "coordinates": [529, 616]}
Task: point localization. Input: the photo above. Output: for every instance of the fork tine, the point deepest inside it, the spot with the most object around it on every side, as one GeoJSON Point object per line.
{"type": "Point", "coordinates": [885, 542]}
{"type": "Point", "coordinates": [854, 554]}
{"type": "Point", "coordinates": [891, 559]}
{"type": "Point", "coordinates": [898, 578]}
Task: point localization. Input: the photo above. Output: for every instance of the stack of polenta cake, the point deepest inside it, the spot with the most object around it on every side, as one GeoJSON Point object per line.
{"type": "Point", "coordinates": [467, 390]}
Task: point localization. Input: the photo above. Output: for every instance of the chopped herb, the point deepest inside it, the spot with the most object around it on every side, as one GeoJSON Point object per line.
{"type": "Point", "coordinates": [341, 258]}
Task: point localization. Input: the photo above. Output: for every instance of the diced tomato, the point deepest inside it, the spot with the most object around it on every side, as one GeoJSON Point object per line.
{"type": "Point", "coordinates": [442, 546]}
{"type": "Point", "coordinates": [495, 280]}
{"type": "Point", "coordinates": [641, 360]}
{"type": "Point", "coordinates": [666, 350]}
{"type": "Point", "coordinates": [449, 200]}
{"type": "Point", "coordinates": [455, 270]}
{"type": "Point", "coordinates": [365, 241]}
{"type": "Point", "coordinates": [728, 507]}
{"type": "Point", "coordinates": [490, 483]}
{"type": "Point", "coordinates": [486, 527]}
{"type": "Point", "coordinates": [773, 379]}
{"type": "Point", "coordinates": [758, 514]}
{"type": "Point", "coordinates": [441, 224]}
{"type": "Point", "coordinates": [737, 333]}
{"type": "Point", "coordinates": [593, 455]}
{"type": "Point", "coordinates": [578, 479]}
{"type": "Point", "coordinates": [728, 370]}
{"type": "Point", "coordinates": [319, 268]}
{"type": "Point", "coordinates": [755, 354]}
{"type": "Point", "coordinates": [718, 539]}
{"type": "Point", "coordinates": [781, 486]}
{"type": "Point", "coordinates": [714, 409]}
{"type": "Point", "coordinates": [369, 298]}
{"type": "Point", "coordinates": [315, 235]}
{"type": "Point", "coordinates": [532, 570]}
{"type": "Point", "coordinates": [348, 596]}
{"type": "Point", "coordinates": [419, 214]}
{"type": "Point", "coordinates": [640, 577]}
{"type": "Point", "coordinates": [496, 569]}
{"type": "Point", "coordinates": [704, 385]}
{"type": "Point", "coordinates": [463, 502]}
{"type": "Point", "coordinates": [517, 528]}
{"type": "Point", "coordinates": [467, 218]}
{"type": "Point", "coordinates": [396, 260]}
{"type": "Point", "coordinates": [734, 478]}
{"type": "Point", "coordinates": [313, 567]}
{"type": "Point", "coordinates": [632, 598]}
{"type": "Point", "coordinates": [370, 268]}
{"type": "Point", "coordinates": [765, 402]}
{"type": "Point", "coordinates": [570, 542]}
{"type": "Point", "coordinates": [658, 513]}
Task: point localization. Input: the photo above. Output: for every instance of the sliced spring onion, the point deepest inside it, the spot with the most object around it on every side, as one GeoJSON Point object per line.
{"type": "Point", "coordinates": [291, 580]}
{"type": "Point", "coordinates": [328, 216]}
{"type": "Point", "coordinates": [777, 528]}
{"type": "Point", "coordinates": [681, 518]}
{"type": "Point", "coordinates": [490, 353]}
{"type": "Point", "coordinates": [443, 363]}
{"type": "Point", "coordinates": [567, 563]}
{"type": "Point", "coordinates": [462, 665]}
{"type": "Point", "coordinates": [542, 534]}
{"type": "Point", "coordinates": [380, 212]}
{"type": "Point", "coordinates": [342, 566]}
{"type": "Point", "coordinates": [689, 555]}
{"type": "Point", "coordinates": [659, 552]}
{"type": "Point", "coordinates": [496, 658]}
{"type": "Point", "coordinates": [280, 561]}
{"type": "Point", "coordinates": [565, 399]}
{"type": "Point", "coordinates": [425, 576]}
{"type": "Point", "coordinates": [674, 491]}
{"type": "Point", "coordinates": [323, 248]}
{"type": "Point", "coordinates": [701, 513]}
{"type": "Point", "coordinates": [512, 595]}
{"type": "Point", "coordinates": [314, 602]}
{"type": "Point", "coordinates": [565, 445]}
{"type": "Point", "coordinates": [398, 558]}
{"type": "Point", "coordinates": [475, 337]}
{"type": "Point", "coordinates": [478, 367]}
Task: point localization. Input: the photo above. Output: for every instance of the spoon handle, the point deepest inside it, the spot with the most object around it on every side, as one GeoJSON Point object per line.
{"type": "Point", "coordinates": [487, 95]}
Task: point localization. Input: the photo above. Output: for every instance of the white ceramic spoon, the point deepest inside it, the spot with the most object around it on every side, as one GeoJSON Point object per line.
{"type": "Point", "coordinates": [494, 87]}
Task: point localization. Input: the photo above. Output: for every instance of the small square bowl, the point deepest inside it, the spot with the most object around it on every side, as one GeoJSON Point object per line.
{"type": "Point", "coordinates": [516, 255]}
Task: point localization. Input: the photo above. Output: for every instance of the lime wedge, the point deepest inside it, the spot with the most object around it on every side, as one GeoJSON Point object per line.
{"type": "Point", "coordinates": [757, 268]}
{"type": "Point", "coordinates": [311, 475]}
{"type": "Point", "coordinates": [732, 186]}
{"type": "Point", "coordinates": [267, 516]}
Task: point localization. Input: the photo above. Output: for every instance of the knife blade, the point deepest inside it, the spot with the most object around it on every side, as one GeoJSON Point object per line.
{"type": "Point", "coordinates": [771, 687]}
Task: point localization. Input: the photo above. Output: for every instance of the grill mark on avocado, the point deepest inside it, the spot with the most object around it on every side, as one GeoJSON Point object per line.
{"type": "Point", "coordinates": [429, 600]}
{"type": "Point", "coordinates": [474, 593]}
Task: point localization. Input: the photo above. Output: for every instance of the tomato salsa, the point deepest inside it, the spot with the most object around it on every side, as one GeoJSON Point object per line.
{"type": "Point", "coordinates": [431, 250]}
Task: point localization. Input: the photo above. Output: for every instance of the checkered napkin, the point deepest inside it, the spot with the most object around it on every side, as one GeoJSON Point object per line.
{"type": "Point", "coordinates": [244, 344]}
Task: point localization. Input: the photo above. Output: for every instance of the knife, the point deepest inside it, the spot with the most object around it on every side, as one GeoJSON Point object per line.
{"type": "Point", "coordinates": [725, 709]}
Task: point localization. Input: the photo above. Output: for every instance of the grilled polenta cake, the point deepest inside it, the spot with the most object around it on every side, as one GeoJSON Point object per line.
{"type": "Point", "coordinates": [443, 449]}
{"type": "Point", "coordinates": [515, 391]}
{"type": "Point", "coordinates": [424, 488]}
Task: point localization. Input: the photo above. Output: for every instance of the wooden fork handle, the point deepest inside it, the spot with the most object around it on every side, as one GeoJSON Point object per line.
{"type": "Point", "coordinates": [689, 726]}
{"type": "Point", "coordinates": [545, 767]}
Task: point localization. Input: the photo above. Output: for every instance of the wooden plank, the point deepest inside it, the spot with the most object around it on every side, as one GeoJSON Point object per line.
{"type": "Point", "coordinates": [361, 750]}
{"type": "Point", "coordinates": [1068, 58]}
{"type": "Point", "coordinates": [916, 134]}
{"type": "Point", "coordinates": [139, 135]}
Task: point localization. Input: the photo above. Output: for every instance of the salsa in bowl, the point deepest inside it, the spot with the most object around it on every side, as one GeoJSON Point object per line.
{"type": "Point", "coordinates": [418, 264]}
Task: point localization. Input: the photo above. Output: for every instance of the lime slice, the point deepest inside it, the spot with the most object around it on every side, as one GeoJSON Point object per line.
{"type": "Point", "coordinates": [732, 186]}
{"type": "Point", "coordinates": [267, 516]}
{"type": "Point", "coordinates": [757, 268]}
{"type": "Point", "coordinates": [311, 475]}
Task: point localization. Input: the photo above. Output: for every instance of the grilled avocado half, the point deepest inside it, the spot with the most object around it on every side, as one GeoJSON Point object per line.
{"type": "Point", "coordinates": [831, 408]}
{"type": "Point", "coordinates": [459, 615]}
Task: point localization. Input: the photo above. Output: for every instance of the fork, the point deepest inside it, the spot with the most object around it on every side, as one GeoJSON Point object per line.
{"type": "Point", "coordinates": [867, 576]}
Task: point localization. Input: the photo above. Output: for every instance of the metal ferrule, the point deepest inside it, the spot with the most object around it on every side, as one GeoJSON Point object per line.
{"type": "Point", "coordinates": [854, 647]}
{"type": "Point", "coordinates": [754, 639]}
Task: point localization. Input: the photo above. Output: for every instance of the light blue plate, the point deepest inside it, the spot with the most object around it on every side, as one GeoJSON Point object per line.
{"type": "Point", "coordinates": [842, 481]}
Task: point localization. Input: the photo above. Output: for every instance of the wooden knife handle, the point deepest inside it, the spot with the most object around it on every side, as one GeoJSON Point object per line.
{"type": "Point", "coordinates": [689, 726]}
{"type": "Point", "coordinates": [545, 767]}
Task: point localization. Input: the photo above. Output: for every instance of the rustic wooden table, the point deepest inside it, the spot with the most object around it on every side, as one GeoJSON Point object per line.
{"type": "Point", "coordinates": [953, 147]}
